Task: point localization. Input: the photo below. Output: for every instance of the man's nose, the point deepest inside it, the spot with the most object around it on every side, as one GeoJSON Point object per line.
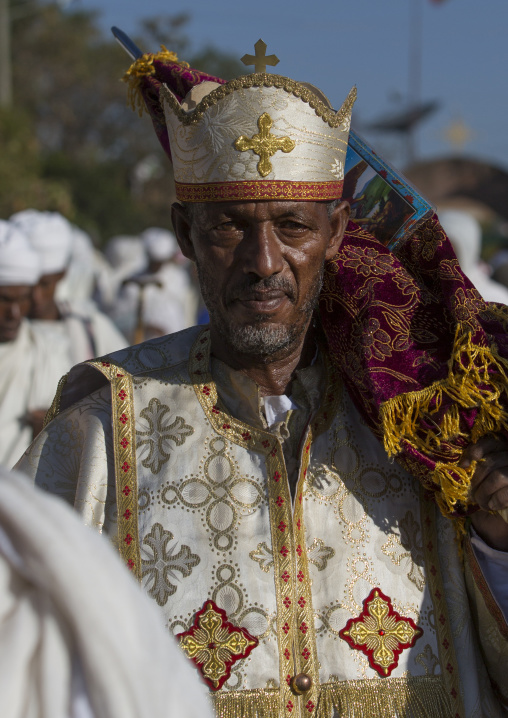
{"type": "Point", "coordinates": [262, 252]}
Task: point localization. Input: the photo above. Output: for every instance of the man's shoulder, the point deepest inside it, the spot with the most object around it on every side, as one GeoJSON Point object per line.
{"type": "Point", "coordinates": [161, 353]}
{"type": "Point", "coordinates": [155, 354]}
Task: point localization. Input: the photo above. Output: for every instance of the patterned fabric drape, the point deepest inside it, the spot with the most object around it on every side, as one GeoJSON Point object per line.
{"type": "Point", "coordinates": [423, 355]}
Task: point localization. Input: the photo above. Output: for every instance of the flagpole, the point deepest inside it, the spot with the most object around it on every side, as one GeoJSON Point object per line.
{"type": "Point", "coordinates": [415, 70]}
{"type": "Point", "coordinates": [5, 55]}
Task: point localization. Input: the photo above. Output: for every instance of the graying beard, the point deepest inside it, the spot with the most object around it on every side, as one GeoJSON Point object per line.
{"type": "Point", "coordinates": [261, 341]}
{"type": "Point", "coordinates": [257, 339]}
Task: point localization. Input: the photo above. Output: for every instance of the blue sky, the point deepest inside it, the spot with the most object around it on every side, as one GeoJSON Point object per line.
{"type": "Point", "coordinates": [335, 44]}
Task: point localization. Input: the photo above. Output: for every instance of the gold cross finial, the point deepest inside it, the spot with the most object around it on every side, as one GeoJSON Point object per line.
{"type": "Point", "coordinates": [260, 60]}
{"type": "Point", "coordinates": [264, 144]}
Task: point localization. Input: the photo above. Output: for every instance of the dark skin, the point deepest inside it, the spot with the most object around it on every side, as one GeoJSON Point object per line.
{"type": "Point", "coordinates": [15, 304]}
{"type": "Point", "coordinates": [44, 306]}
{"type": "Point", "coordinates": [14, 307]}
{"type": "Point", "coordinates": [253, 241]}
{"type": "Point", "coordinates": [256, 240]}
{"type": "Point", "coordinates": [489, 488]}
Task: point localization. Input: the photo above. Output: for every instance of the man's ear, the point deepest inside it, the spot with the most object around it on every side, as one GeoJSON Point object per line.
{"type": "Point", "coordinates": [182, 228]}
{"type": "Point", "coordinates": [338, 224]}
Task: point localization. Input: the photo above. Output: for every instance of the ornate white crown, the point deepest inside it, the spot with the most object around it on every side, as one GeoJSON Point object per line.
{"type": "Point", "coordinates": [260, 136]}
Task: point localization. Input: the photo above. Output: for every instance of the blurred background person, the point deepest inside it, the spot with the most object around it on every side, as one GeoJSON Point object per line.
{"type": "Point", "coordinates": [29, 368]}
{"type": "Point", "coordinates": [78, 330]}
{"type": "Point", "coordinates": [162, 299]}
{"type": "Point", "coordinates": [465, 234]}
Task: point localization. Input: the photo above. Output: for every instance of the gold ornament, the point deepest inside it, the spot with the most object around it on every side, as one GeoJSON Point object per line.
{"type": "Point", "coordinates": [260, 60]}
{"type": "Point", "coordinates": [264, 144]}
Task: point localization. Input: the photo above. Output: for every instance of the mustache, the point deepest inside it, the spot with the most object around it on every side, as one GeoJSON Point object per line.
{"type": "Point", "coordinates": [247, 288]}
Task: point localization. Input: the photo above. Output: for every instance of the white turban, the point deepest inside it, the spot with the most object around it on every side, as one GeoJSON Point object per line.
{"type": "Point", "coordinates": [19, 263]}
{"type": "Point", "coordinates": [465, 233]}
{"type": "Point", "coordinates": [51, 236]}
{"type": "Point", "coordinates": [160, 244]}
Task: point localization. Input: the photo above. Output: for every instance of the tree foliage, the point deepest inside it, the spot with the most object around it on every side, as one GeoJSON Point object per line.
{"type": "Point", "coordinates": [70, 142]}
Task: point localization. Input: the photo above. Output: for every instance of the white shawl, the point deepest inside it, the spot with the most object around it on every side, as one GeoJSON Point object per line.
{"type": "Point", "coordinates": [77, 636]}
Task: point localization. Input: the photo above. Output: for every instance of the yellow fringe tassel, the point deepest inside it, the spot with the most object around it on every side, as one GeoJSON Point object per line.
{"type": "Point", "coordinates": [415, 696]}
{"type": "Point", "coordinates": [143, 67]}
{"type": "Point", "coordinates": [477, 378]}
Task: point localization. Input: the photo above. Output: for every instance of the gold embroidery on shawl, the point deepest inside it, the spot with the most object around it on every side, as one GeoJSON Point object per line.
{"type": "Point", "coordinates": [54, 409]}
{"type": "Point", "coordinates": [160, 562]}
{"type": "Point", "coordinates": [307, 659]}
{"type": "Point", "coordinates": [124, 447]}
{"type": "Point", "coordinates": [407, 547]}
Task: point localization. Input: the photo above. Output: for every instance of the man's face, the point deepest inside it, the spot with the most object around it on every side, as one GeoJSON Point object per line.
{"type": "Point", "coordinates": [14, 306]}
{"type": "Point", "coordinates": [260, 267]}
{"type": "Point", "coordinates": [43, 306]}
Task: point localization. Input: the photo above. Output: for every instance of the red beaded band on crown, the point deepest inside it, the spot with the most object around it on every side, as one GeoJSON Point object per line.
{"type": "Point", "coordinates": [259, 190]}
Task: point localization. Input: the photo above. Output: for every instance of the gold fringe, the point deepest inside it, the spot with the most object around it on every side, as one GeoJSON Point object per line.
{"type": "Point", "coordinates": [477, 378]}
{"type": "Point", "coordinates": [54, 409]}
{"type": "Point", "coordinates": [415, 696]}
{"type": "Point", "coordinates": [143, 67]}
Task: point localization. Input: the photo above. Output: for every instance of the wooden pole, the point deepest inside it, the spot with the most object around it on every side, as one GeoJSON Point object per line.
{"type": "Point", "coordinates": [414, 92]}
{"type": "Point", "coordinates": [5, 55]}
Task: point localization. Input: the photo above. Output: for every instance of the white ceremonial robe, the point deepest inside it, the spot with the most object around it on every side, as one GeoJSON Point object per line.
{"type": "Point", "coordinates": [82, 333]}
{"type": "Point", "coordinates": [355, 579]}
{"type": "Point", "coordinates": [170, 302]}
{"type": "Point", "coordinates": [29, 375]}
{"type": "Point", "coordinates": [77, 637]}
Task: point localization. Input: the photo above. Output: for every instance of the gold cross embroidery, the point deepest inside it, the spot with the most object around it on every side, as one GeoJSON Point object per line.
{"type": "Point", "coordinates": [380, 632]}
{"type": "Point", "coordinates": [260, 60]}
{"type": "Point", "coordinates": [264, 144]}
{"type": "Point", "coordinates": [215, 644]}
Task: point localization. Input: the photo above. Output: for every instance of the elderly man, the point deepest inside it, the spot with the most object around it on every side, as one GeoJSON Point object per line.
{"type": "Point", "coordinates": [28, 372]}
{"type": "Point", "coordinates": [237, 466]}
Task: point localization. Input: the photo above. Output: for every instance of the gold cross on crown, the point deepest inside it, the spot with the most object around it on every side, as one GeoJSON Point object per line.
{"type": "Point", "coordinates": [260, 60]}
{"type": "Point", "coordinates": [264, 144]}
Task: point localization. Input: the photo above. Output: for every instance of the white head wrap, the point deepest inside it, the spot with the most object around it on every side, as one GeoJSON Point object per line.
{"type": "Point", "coordinates": [19, 263]}
{"type": "Point", "coordinates": [126, 254]}
{"type": "Point", "coordinates": [465, 233]}
{"type": "Point", "coordinates": [51, 236]}
{"type": "Point", "coordinates": [160, 244]}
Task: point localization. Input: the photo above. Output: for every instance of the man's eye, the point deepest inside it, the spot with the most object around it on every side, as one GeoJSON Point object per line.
{"type": "Point", "coordinates": [293, 224]}
{"type": "Point", "coordinates": [228, 226]}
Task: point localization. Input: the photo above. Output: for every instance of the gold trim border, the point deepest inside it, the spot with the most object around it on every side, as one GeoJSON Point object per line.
{"type": "Point", "coordinates": [124, 447]}
{"type": "Point", "coordinates": [260, 79]}
{"type": "Point", "coordinates": [446, 648]}
{"type": "Point", "coordinates": [259, 190]}
{"type": "Point", "coordinates": [306, 641]}
{"type": "Point", "coordinates": [417, 696]}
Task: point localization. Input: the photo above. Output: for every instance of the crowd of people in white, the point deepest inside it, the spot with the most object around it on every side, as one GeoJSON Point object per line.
{"type": "Point", "coordinates": [62, 301]}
